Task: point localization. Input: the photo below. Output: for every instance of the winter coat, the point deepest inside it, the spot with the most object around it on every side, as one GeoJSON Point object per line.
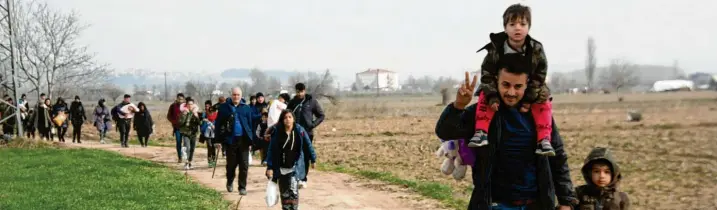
{"type": "Point", "coordinates": [537, 90]}
{"type": "Point", "coordinates": [77, 113]}
{"type": "Point", "coordinates": [304, 111]}
{"type": "Point", "coordinates": [42, 117]}
{"type": "Point", "coordinates": [225, 121]}
{"type": "Point", "coordinates": [275, 151]}
{"type": "Point", "coordinates": [173, 114]}
{"type": "Point", "coordinates": [593, 197]}
{"type": "Point", "coordinates": [56, 109]}
{"type": "Point", "coordinates": [103, 120]}
{"type": "Point", "coordinates": [553, 174]}
{"type": "Point", "coordinates": [189, 124]}
{"type": "Point", "coordinates": [143, 123]}
{"type": "Point", "coordinates": [208, 119]}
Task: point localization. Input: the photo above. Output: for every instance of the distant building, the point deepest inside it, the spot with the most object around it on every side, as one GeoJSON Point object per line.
{"type": "Point", "coordinates": [383, 79]}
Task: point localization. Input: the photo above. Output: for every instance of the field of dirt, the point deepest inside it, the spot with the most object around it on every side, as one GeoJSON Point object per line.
{"type": "Point", "coordinates": [668, 160]}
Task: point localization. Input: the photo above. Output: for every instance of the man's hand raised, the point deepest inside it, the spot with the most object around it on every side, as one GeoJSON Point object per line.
{"type": "Point", "coordinates": [465, 92]}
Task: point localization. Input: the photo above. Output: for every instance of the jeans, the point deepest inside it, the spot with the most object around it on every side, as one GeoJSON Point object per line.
{"type": "Point", "coordinates": [178, 138]}
{"type": "Point", "coordinates": [211, 149]}
{"type": "Point", "coordinates": [289, 191]}
{"type": "Point", "coordinates": [189, 143]}
{"type": "Point", "coordinates": [307, 160]}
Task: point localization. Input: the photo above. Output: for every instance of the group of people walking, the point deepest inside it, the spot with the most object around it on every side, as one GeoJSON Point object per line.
{"type": "Point", "coordinates": [281, 131]}
{"type": "Point", "coordinates": [45, 118]}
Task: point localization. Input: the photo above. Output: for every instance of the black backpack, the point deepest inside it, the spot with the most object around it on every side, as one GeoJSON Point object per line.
{"type": "Point", "coordinates": [116, 112]}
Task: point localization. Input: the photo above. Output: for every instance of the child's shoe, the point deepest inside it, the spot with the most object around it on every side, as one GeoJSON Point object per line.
{"type": "Point", "coordinates": [545, 148]}
{"type": "Point", "coordinates": [480, 138]}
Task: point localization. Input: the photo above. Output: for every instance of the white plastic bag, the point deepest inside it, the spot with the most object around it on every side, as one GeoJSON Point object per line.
{"type": "Point", "coordinates": [460, 171]}
{"type": "Point", "coordinates": [272, 193]}
{"type": "Point", "coordinates": [250, 159]}
{"type": "Point", "coordinates": [447, 166]}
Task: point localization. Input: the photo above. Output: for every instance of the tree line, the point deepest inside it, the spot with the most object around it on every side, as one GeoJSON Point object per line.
{"type": "Point", "coordinates": [49, 58]}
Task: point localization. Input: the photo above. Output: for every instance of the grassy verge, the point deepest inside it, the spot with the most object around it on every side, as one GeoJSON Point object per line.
{"type": "Point", "coordinates": [51, 178]}
{"type": "Point", "coordinates": [434, 190]}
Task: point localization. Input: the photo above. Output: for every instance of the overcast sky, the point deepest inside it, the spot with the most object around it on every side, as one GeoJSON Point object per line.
{"type": "Point", "coordinates": [418, 37]}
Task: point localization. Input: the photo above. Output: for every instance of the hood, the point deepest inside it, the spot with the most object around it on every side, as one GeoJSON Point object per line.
{"type": "Point", "coordinates": [497, 39]}
{"type": "Point", "coordinates": [601, 154]}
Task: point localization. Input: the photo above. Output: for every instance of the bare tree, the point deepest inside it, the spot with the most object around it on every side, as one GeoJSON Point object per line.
{"type": "Point", "coordinates": [591, 63]}
{"type": "Point", "coordinates": [48, 51]}
{"type": "Point", "coordinates": [190, 89]}
{"type": "Point", "coordinates": [557, 82]}
{"type": "Point", "coordinates": [444, 82]}
{"type": "Point", "coordinates": [259, 80]}
{"type": "Point", "coordinates": [112, 91]}
{"type": "Point", "coordinates": [620, 75]}
{"type": "Point", "coordinates": [274, 85]}
{"type": "Point", "coordinates": [298, 77]}
{"type": "Point", "coordinates": [677, 73]}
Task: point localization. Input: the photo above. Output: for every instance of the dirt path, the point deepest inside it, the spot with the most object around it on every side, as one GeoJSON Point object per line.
{"type": "Point", "coordinates": [325, 191]}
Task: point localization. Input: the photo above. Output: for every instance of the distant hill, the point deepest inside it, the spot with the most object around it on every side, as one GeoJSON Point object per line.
{"type": "Point", "coordinates": [126, 79]}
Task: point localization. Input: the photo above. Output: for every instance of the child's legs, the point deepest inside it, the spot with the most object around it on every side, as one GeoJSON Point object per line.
{"type": "Point", "coordinates": [484, 113]}
{"type": "Point", "coordinates": [543, 116]}
{"type": "Point", "coordinates": [289, 191]}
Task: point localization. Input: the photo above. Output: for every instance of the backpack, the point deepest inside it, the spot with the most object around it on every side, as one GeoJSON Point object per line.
{"type": "Point", "coordinates": [115, 112]}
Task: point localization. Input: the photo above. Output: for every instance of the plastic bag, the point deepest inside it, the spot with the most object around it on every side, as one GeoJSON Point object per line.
{"type": "Point", "coordinates": [447, 166]}
{"type": "Point", "coordinates": [460, 171]}
{"type": "Point", "coordinates": [272, 193]}
{"type": "Point", "coordinates": [250, 159]}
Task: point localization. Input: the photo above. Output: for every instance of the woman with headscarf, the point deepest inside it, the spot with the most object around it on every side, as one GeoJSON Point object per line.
{"type": "Point", "coordinates": [78, 117]}
{"type": "Point", "coordinates": [143, 124]}
{"type": "Point", "coordinates": [103, 120]}
{"type": "Point", "coordinates": [44, 122]}
{"type": "Point", "coordinates": [60, 108]}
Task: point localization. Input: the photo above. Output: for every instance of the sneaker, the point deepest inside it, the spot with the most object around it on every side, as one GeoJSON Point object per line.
{"type": "Point", "coordinates": [242, 192]}
{"type": "Point", "coordinates": [303, 184]}
{"type": "Point", "coordinates": [480, 138]}
{"type": "Point", "coordinates": [187, 166]}
{"type": "Point", "coordinates": [263, 163]}
{"type": "Point", "coordinates": [545, 148]}
{"type": "Point", "coordinates": [102, 142]}
{"type": "Point", "coordinates": [179, 159]}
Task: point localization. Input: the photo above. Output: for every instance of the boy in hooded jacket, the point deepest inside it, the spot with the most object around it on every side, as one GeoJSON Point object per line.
{"type": "Point", "coordinates": [602, 175]}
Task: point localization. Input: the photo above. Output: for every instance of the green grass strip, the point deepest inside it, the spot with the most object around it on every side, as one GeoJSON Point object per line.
{"type": "Point", "coordinates": [51, 178]}
{"type": "Point", "coordinates": [434, 190]}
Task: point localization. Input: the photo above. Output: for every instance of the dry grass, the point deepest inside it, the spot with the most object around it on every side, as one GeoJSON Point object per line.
{"type": "Point", "coordinates": [669, 160]}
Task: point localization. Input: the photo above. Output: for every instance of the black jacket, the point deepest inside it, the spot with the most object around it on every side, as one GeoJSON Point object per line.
{"type": "Point", "coordinates": [77, 113]}
{"type": "Point", "coordinates": [553, 172]}
{"type": "Point", "coordinates": [305, 110]}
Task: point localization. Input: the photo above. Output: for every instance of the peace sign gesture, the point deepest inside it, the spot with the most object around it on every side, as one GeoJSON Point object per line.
{"type": "Point", "coordinates": [465, 92]}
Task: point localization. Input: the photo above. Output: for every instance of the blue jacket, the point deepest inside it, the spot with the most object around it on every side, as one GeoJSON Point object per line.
{"type": "Point", "coordinates": [274, 153]}
{"type": "Point", "coordinates": [225, 124]}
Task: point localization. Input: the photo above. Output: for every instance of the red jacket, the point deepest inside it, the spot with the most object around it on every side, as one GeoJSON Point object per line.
{"type": "Point", "coordinates": [173, 114]}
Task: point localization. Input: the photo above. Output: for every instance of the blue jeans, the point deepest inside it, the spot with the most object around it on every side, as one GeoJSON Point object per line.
{"type": "Point", "coordinates": [504, 206]}
{"type": "Point", "coordinates": [178, 138]}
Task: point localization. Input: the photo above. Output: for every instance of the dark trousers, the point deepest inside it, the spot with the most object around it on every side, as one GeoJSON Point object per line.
{"type": "Point", "coordinates": [143, 140]}
{"type": "Point", "coordinates": [211, 149]}
{"type": "Point", "coordinates": [307, 160]}
{"type": "Point", "coordinates": [123, 126]}
{"type": "Point", "coordinates": [238, 154]}
{"type": "Point", "coordinates": [76, 131]}
{"type": "Point", "coordinates": [61, 131]}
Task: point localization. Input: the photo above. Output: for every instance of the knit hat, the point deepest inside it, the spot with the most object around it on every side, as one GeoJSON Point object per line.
{"type": "Point", "coordinates": [77, 97]}
{"type": "Point", "coordinates": [259, 94]}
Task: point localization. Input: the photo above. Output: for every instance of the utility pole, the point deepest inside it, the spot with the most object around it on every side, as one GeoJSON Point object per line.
{"type": "Point", "coordinates": [8, 18]}
{"type": "Point", "coordinates": [378, 86]}
{"type": "Point", "coordinates": [165, 87]}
